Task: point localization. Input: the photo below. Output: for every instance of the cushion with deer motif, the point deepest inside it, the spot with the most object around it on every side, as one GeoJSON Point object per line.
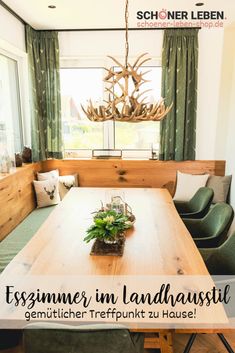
{"type": "Point", "coordinates": [66, 182]}
{"type": "Point", "coordinates": [47, 192]}
{"type": "Point", "coordinates": [53, 174]}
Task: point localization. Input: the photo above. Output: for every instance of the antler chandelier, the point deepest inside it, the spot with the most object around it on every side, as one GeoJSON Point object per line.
{"type": "Point", "coordinates": [130, 104]}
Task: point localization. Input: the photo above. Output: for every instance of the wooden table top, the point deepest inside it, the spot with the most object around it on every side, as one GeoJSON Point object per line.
{"type": "Point", "coordinates": [159, 243]}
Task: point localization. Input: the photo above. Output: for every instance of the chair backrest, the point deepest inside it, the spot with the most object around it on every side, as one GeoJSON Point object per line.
{"type": "Point", "coordinates": [222, 260]}
{"type": "Point", "coordinates": [218, 220]}
{"type": "Point", "coordinates": [202, 199]}
{"type": "Point", "coordinates": [57, 338]}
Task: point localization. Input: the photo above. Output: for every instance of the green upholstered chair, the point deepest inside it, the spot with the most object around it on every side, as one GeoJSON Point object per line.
{"type": "Point", "coordinates": [219, 261]}
{"type": "Point", "coordinates": [211, 231]}
{"type": "Point", "coordinates": [57, 338]}
{"type": "Point", "coordinates": [198, 206]}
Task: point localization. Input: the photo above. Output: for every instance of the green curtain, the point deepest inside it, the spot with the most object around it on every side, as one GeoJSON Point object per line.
{"type": "Point", "coordinates": [43, 56]}
{"type": "Point", "coordinates": [179, 86]}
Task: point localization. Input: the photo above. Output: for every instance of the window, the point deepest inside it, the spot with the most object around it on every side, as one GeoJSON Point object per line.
{"type": "Point", "coordinates": [80, 84]}
{"type": "Point", "coordinates": [77, 86]}
{"type": "Point", "coordinates": [10, 109]}
{"type": "Point", "coordinates": [140, 136]}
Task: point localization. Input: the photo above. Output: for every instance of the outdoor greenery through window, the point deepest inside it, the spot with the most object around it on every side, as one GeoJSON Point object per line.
{"type": "Point", "coordinates": [78, 85]}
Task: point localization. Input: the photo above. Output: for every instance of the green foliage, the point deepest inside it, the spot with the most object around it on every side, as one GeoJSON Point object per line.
{"type": "Point", "coordinates": [83, 135]}
{"type": "Point", "coordinates": [107, 225]}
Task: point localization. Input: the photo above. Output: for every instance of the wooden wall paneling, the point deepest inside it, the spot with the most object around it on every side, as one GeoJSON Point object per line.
{"type": "Point", "coordinates": [132, 173]}
{"type": "Point", "coordinates": [16, 197]}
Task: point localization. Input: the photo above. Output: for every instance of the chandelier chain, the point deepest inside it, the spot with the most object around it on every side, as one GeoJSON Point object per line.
{"type": "Point", "coordinates": [127, 42]}
{"type": "Point", "coordinates": [128, 105]}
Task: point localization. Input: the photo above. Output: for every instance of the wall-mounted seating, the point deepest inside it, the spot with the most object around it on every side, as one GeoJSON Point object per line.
{"type": "Point", "coordinates": [21, 235]}
{"type": "Point", "coordinates": [211, 230]}
{"type": "Point", "coordinates": [17, 197]}
{"type": "Point", "coordinates": [198, 206]}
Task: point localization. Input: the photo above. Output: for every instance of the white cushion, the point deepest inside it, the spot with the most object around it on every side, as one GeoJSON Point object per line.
{"type": "Point", "coordinates": [66, 182]}
{"type": "Point", "coordinates": [53, 174]}
{"type": "Point", "coordinates": [188, 185]}
{"type": "Point", "coordinates": [220, 185]}
{"type": "Point", "coordinates": [47, 192]}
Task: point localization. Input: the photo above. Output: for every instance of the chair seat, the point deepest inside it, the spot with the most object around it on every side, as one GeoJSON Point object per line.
{"type": "Point", "coordinates": [198, 206]}
{"type": "Point", "coordinates": [211, 231]}
{"type": "Point", "coordinates": [21, 235]}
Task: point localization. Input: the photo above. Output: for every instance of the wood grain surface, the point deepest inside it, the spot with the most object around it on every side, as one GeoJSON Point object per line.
{"type": "Point", "coordinates": [17, 198]}
{"type": "Point", "coordinates": [132, 173]}
{"type": "Point", "coordinates": [159, 243]}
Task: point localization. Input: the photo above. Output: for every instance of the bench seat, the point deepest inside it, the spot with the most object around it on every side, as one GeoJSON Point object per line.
{"type": "Point", "coordinates": [21, 235]}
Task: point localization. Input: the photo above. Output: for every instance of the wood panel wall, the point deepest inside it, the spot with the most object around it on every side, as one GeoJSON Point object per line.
{"type": "Point", "coordinates": [16, 197]}
{"type": "Point", "coordinates": [132, 173]}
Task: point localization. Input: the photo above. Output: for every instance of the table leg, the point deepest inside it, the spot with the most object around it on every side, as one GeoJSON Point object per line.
{"type": "Point", "coordinates": [190, 343]}
{"type": "Point", "coordinates": [225, 343]}
{"type": "Point", "coordinates": [166, 342]}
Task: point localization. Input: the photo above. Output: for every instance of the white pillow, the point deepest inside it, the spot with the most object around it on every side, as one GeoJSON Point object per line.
{"type": "Point", "coordinates": [66, 182]}
{"type": "Point", "coordinates": [188, 185]}
{"type": "Point", "coordinates": [47, 192]}
{"type": "Point", "coordinates": [53, 174]}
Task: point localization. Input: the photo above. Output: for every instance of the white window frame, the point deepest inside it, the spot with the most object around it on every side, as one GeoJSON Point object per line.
{"type": "Point", "coordinates": [109, 130]}
{"type": "Point", "coordinates": [21, 59]}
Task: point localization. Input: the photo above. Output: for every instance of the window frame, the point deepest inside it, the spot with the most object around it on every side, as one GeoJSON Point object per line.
{"type": "Point", "coordinates": [73, 62]}
{"type": "Point", "coordinates": [21, 59]}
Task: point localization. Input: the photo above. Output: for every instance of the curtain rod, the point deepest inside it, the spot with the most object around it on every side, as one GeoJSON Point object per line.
{"type": "Point", "coordinates": [12, 12]}
{"type": "Point", "coordinates": [115, 29]}
{"type": "Point", "coordinates": [90, 29]}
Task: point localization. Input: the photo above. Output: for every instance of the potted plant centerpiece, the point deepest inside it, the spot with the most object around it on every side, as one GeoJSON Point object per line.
{"type": "Point", "coordinates": [108, 226]}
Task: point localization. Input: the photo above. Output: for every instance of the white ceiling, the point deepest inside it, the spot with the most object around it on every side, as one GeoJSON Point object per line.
{"type": "Point", "coordinates": [72, 14]}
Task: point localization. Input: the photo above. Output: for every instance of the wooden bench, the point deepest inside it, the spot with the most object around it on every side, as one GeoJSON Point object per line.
{"type": "Point", "coordinates": [17, 199]}
{"type": "Point", "coordinates": [21, 235]}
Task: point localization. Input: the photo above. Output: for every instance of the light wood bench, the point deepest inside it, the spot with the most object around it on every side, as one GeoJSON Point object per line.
{"type": "Point", "coordinates": [21, 235]}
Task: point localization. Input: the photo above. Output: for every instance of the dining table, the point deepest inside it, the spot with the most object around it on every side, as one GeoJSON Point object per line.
{"type": "Point", "coordinates": [158, 244]}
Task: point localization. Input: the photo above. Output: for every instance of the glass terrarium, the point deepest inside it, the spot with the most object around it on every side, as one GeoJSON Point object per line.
{"type": "Point", "coordinates": [115, 200]}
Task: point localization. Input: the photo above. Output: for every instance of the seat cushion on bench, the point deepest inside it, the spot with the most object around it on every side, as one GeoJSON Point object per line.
{"type": "Point", "coordinates": [20, 236]}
